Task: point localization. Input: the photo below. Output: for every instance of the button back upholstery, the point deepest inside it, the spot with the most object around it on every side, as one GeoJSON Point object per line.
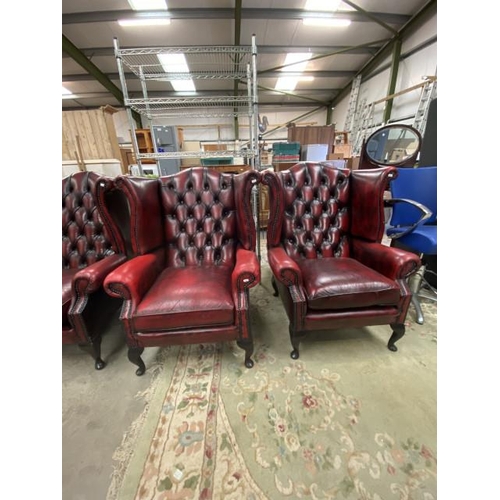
{"type": "Point", "coordinates": [325, 252]}
{"type": "Point", "coordinates": [192, 242]}
{"type": "Point", "coordinates": [89, 252]}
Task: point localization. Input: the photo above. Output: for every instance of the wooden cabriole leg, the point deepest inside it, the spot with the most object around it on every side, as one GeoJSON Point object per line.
{"type": "Point", "coordinates": [94, 349]}
{"type": "Point", "coordinates": [398, 332]}
{"type": "Point", "coordinates": [134, 356]}
{"type": "Point", "coordinates": [295, 338]}
{"type": "Point", "coordinates": [247, 346]}
{"type": "Point", "coordinates": [275, 287]}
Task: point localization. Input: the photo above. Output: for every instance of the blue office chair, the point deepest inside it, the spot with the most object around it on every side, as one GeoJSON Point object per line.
{"type": "Point", "coordinates": [413, 223]}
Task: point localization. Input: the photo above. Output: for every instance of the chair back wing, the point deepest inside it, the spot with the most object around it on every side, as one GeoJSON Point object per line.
{"type": "Point", "coordinates": [144, 217]}
{"type": "Point", "coordinates": [417, 184]}
{"type": "Point", "coordinates": [310, 211]}
{"type": "Point", "coordinates": [367, 202]}
{"type": "Point", "coordinates": [85, 239]}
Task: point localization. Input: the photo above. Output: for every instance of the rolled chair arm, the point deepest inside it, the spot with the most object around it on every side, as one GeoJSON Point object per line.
{"type": "Point", "coordinates": [394, 263]}
{"type": "Point", "coordinates": [426, 214]}
{"type": "Point", "coordinates": [133, 279]}
{"type": "Point", "coordinates": [246, 272]}
{"type": "Point", "coordinates": [91, 278]}
{"type": "Point", "coordinates": [284, 268]}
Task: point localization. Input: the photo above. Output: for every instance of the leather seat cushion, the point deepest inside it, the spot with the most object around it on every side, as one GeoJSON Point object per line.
{"type": "Point", "coordinates": [344, 283]}
{"type": "Point", "coordinates": [187, 297]}
{"type": "Point", "coordinates": [67, 277]}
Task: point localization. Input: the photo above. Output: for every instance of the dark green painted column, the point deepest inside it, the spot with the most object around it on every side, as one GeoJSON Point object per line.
{"type": "Point", "coordinates": [396, 53]}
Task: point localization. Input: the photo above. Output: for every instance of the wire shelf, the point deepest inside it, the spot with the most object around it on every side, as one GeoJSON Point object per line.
{"type": "Point", "coordinates": [211, 62]}
{"type": "Point", "coordinates": [195, 107]}
{"type": "Point", "coordinates": [196, 154]}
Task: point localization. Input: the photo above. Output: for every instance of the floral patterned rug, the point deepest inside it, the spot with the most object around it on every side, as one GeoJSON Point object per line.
{"type": "Point", "coordinates": [349, 419]}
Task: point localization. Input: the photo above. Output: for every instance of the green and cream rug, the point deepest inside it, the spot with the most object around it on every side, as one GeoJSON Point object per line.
{"type": "Point", "coordinates": [348, 420]}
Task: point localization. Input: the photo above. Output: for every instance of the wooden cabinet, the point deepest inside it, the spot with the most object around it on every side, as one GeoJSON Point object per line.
{"type": "Point", "coordinates": [145, 142]}
{"type": "Point", "coordinates": [313, 135]}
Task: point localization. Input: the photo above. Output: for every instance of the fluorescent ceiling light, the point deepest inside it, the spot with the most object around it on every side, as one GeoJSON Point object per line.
{"type": "Point", "coordinates": [299, 58]}
{"type": "Point", "coordinates": [286, 83]}
{"type": "Point", "coordinates": [148, 4]}
{"type": "Point", "coordinates": [176, 63]}
{"type": "Point", "coordinates": [65, 91]}
{"type": "Point", "coordinates": [306, 78]}
{"type": "Point", "coordinates": [183, 85]}
{"type": "Point", "coordinates": [152, 21]}
{"type": "Point", "coordinates": [325, 21]}
{"type": "Point", "coordinates": [322, 5]}
{"type": "Point", "coordinates": [297, 62]}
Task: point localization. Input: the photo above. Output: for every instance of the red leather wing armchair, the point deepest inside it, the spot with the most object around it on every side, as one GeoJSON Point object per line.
{"type": "Point", "coordinates": [192, 238]}
{"type": "Point", "coordinates": [324, 248]}
{"type": "Point", "coordinates": [89, 253]}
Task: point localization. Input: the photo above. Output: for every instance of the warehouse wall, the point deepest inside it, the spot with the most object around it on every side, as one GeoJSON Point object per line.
{"type": "Point", "coordinates": [418, 59]}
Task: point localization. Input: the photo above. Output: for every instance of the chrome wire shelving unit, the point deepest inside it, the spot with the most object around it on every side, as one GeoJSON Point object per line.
{"type": "Point", "coordinates": [237, 63]}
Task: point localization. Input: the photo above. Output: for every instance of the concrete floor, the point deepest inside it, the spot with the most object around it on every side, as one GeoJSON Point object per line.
{"type": "Point", "coordinates": [97, 409]}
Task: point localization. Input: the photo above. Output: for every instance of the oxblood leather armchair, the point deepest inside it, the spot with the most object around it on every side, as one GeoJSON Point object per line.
{"type": "Point", "coordinates": [324, 248]}
{"type": "Point", "coordinates": [192, 236]}
{"type": "Point", "coordinates": [88, 255]}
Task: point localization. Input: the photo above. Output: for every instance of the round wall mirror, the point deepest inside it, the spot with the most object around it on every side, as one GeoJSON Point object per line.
{"type": "Point", "coordinates": [396, 145]}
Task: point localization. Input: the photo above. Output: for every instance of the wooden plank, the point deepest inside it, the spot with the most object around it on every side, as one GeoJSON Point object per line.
{"type": "Point", "coordinates": [96, 131]}
{"type": "Point", "coordinates": [67, 150]}
{"type": "Point", "coordinates": [86, 136]}
{"type": "Point", "coordinates": [69, 139]}
{"type": "Point", "coordinates": [81, 161]}
{"type": "Point", "coordinates": [105, 141]}
{"type": "Point", "coordinates": [111, 134]}
{"type": "Point", "coordinates": [98, 134]}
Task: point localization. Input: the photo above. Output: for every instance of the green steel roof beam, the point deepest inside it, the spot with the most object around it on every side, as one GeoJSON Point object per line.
{"type": "Point", "coordinates": [396, 53]}
{"type": "Point", "coordinates": [74, 52]}
{"type": "Point", "coordinates": [295, 119]}
{"type": "Point", "coordinates": [321, 56]}
{"type": "Point", "coordinates": [293, 94]}
{"type": "Point", "coordinates": [371, 16]}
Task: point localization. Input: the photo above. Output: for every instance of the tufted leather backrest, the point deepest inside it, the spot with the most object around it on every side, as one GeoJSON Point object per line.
{"type": "Point", "coordinates": [85, 239]}
{"type": "Point", "coordinates": [197, 216]}
{"type": "Point", "coordinates": [206, 214]}
{"type": "Point", "coordinates": [314, 211]}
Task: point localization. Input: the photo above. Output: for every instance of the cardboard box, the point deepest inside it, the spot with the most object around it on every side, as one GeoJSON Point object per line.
{"type": "Point", "coordinates": [191, 146]}
{"type": "Point", "coordinates": [345, 149]}
{"type": "Point", "coordinates": [336, 156]}
{"type": "Point", "coordinates": [353, 163]}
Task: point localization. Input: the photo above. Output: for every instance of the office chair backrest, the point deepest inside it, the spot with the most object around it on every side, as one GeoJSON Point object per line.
{"type": "Point", "coordinates": [417, 184]}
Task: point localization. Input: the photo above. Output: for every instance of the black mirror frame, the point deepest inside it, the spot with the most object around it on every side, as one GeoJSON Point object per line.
{"type": "Point", "coordinates": [365, 162]}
